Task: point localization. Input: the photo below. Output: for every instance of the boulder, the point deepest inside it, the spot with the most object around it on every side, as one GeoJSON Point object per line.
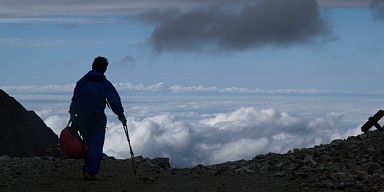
{"type": "Point", "coordinates": [23, 132]}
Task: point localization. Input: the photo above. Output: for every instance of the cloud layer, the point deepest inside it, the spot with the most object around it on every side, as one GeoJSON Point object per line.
{"type": "Point", "coordinates": [208, 125]}
{"type": "Point", "coordinates": [240, 134]}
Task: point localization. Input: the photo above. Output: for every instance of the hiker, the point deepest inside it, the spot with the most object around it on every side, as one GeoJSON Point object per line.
{"type": "Point", "coordinates": [91, 94]}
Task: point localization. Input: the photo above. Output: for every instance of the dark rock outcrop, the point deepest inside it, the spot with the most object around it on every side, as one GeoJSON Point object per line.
{"type": "Point", "coordinates": [352, 164]}
{"type": "Point", "coordinates": [23, 133]}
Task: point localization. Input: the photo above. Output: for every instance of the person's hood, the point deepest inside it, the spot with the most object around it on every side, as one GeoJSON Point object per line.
{"type": "Point", "coordinates": [94, 75]}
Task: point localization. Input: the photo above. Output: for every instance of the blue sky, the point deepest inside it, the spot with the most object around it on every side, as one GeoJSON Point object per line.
{"type": "Point", "coordinates": [41, 47]}
{"type": "Point", "coordinates": [55, 43]}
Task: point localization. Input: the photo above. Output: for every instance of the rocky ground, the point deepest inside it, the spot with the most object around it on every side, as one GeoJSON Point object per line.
{"type": "Point", "coordinates": [47, 174]}
{"type": "Point", "coordinates": [353, 164]}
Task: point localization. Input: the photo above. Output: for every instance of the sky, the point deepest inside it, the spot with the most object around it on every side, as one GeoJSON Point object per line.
{"type": "Point", "coordinates": [202, 82]}
{"type": "Point", "coordinates": [266, 44]}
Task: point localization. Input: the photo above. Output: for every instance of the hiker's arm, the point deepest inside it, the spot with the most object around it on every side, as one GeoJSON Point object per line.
{"type": "Point", "coordinates": [114, 100]}
{"type": "Point", "coordinates": [74, 104]}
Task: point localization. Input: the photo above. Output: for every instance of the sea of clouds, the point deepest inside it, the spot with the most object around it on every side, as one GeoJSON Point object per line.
{"type": "Point", "coordinates": [207, 125]}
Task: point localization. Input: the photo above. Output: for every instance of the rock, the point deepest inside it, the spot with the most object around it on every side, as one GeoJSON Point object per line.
{"type": "Point", "coordinates": [245, 170]}
{"type": "Point", "coordinates": [162, 162]}
{"type": "Point", "coordinates": [5, 157]}
{"type": "Point", "coordinates": [309, 159]}
{"type": "Point", "coordinates": [280, 174]}
{"type": "Point", "coordinates": [354, 164]}
{"type": "Point", "coordinates": [372, 167]}
{"type": "Point", "coordinates": [159, 162]}
{"type": "Point", "coordinates": [23, 133]}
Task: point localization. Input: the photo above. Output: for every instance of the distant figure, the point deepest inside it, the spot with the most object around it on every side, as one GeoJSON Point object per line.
{"type": "Point", "coordinates": [91, 94]}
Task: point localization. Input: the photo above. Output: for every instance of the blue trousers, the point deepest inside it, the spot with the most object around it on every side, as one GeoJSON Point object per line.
{"type": "Point", "coordinates": [92, 128]}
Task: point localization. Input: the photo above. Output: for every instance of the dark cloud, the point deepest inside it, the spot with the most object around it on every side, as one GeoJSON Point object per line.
{"type": "Point", "coordinates": [343, 3]}
{"type": "Point", "coordinates": [378, 8]}
{"type": "Point", "coordinates": [267, 22]}
{"type": "Point", "coordinates": [128, 62]}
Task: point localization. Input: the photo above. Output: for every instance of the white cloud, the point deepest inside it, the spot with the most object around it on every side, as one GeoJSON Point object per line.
{"type": "Point", "coordinates": [140, 87]}
{"type": "Point", "coordinates": [325, 123]}
{"type": "Point", "coordinates": [199, 88]}
{"type": "Point", "coordinates": [211, 128]}
{"type": "Point", "coordinates": [346, 133]}
{"type": "Point", "coordinates": [56, 123]}
{"type": "Point", "coordinates": [44, 113]}
{"type": "Point", "coordinates": [162, 87]}
{"type": "Point", "coordinates": [39, 89]}
{"type": "Point", "coordinates": [240, 134]}
{"type": "Point", "coordinates": [243, 118]}
{"type": "Point", "coordinates": [239, 149]}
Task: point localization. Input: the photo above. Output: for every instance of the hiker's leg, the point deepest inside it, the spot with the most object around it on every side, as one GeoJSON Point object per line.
{"type": "Point", "coordinates": [95, 147]}
{"type": "Point", "coordinates": [95, 152]}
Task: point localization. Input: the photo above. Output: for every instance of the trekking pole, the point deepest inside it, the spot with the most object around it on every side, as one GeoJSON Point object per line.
{"type": "Point", "coordinates": [130, 148]}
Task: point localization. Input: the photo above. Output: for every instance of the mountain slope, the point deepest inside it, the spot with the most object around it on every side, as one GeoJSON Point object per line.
{"type": "Point", "coordinates": [23, 133]}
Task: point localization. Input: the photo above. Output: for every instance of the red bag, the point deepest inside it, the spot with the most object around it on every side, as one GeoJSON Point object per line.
{"type": "Point", "coordinates": [72, 145]}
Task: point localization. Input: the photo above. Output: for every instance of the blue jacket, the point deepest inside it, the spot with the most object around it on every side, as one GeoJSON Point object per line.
{"type": "Point", "coordinates": [91, 94]}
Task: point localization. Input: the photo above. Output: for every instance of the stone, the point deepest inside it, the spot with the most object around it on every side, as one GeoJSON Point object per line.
{"type": "Point", "coordinates": [162, 162]}
{"type": "Point", "coordinates": [5, 157]}
{"type": "Point", "coordinates": [23, 132]}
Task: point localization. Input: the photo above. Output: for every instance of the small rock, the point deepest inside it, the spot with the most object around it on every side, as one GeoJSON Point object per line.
{"type": "Point", "coordinates": [5, 157]}
{"type": "Point", "coordinates": [280, 174]}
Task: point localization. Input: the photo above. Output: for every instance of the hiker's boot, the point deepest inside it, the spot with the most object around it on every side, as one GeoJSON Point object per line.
{"type": "Point", "coordinates": [88, 176]}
